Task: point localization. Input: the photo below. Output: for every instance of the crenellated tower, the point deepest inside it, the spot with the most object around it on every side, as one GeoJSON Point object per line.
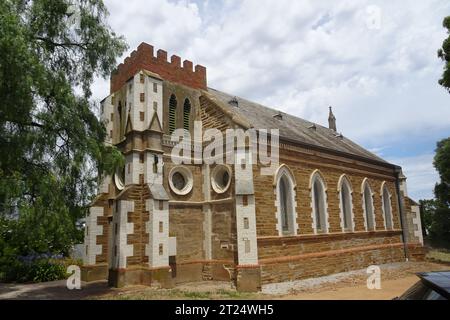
{"type": "Point", "coordinates": [127, 229]}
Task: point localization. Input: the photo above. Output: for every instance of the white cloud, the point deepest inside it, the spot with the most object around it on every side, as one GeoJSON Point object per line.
{"type": "Point", "coordinates": [302, 56]}
{"type": "Point", "coordinates": [421, 175]}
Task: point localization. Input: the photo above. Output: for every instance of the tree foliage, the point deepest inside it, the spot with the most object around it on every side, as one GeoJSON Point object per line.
{"type": "Point", "coordinates": [442, 165]}
{"type": "Point", "coordinates": [427, 210]}
{"type": "Point", "coordinates": [444, 54]}
{"type": "Point", "coordinates": [51, 142]}
{"type": "Point", "coordinates": [439, 226]}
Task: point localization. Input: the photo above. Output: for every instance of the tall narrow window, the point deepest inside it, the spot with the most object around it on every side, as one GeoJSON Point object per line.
{"type": "Point", "coordinates": [368, 207]}
{"type": "Point", "coordinates": [285, 191]}
{"type": "Point", "coordinates": [155, 163]}
{"type": "Point", "coordinates": [172, 113]}
{"type": "Point", "coordinates": [318, 195]}
{"type": "Point", "coordinates": [387, 207]}
{"type": "Point", "coordinates": [346, 205]}
{"type": "Point", "coordinates": [119, 111]}
{"type": "Point", "coordinates": [186, 114]}
{"type": "Point", "coordinates": [284, 205]}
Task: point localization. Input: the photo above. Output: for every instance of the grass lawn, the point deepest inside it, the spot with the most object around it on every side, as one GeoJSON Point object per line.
{"type": "Point", "coordinates": [439, 255]}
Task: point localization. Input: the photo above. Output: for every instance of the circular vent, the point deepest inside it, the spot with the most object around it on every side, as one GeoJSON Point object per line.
{"type": "Point", "coordinates": [221, 178]}
{"type": "Point", "coordinates": [180, 180]}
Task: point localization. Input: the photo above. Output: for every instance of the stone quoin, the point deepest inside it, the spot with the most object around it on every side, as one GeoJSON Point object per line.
{"type": "Point", "coordinates": [330, 205]}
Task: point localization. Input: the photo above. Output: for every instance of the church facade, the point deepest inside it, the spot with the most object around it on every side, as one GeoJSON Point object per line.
{"type": "Point", "coordinates": [327, 205]}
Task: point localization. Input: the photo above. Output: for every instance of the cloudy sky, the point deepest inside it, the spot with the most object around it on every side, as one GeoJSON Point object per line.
{"type": "Point", "coordinates": [374, 61]}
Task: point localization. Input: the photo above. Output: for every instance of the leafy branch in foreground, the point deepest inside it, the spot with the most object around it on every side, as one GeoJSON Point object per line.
{"type": "Point", "coordinates": [51, 142]}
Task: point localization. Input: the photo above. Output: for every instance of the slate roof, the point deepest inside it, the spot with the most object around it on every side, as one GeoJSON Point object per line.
{"type": "Point", "coordinates": [291, 127]}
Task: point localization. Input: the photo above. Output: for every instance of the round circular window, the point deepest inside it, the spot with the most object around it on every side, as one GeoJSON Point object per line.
{"type": "Point", "coordinates": [221, 178]}
{"type": "Point", "coordinates": [119, 178]}
{"type": "Point", "coordinates": [180, 180]}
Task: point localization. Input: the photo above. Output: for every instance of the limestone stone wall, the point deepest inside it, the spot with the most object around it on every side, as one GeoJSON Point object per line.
{"type": "Point", "coordinates": [413, 222]}
{"type": "Point", "coordinates": [223, 232]}
{"type": "Point", "coordinates": [186, 224]}
{"type": "Point", "coordinates": [196, 194]}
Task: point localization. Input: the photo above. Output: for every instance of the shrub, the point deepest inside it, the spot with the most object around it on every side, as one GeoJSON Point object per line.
{"type": "Point", "coordinates": [48, 271]}
{"type": "Point", "coordinates": [33, 268]}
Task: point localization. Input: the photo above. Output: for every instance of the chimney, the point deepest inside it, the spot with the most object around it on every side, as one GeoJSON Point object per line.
{"type": "Point", "coordinates": [332, 120]}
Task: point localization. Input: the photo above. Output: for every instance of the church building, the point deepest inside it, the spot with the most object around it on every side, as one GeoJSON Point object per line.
{"type": "Point", "coordinates": [328, 205]}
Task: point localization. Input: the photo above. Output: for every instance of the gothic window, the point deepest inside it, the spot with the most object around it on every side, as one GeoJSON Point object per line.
{"type": "Point", "coordinates": [284, 205]}
{"type": "Point", "coordinates": [186, 114]}
{"type": "Point", "coordinates": [319, 203]}
{"type": "Point", "coordinates": [172, 113]}
{"type": "Point", "coordinates": [345, 195]}
{"type": "Point", "coordinates": [285, 191]}
{"type": "Point", "coordinates": [387, 208]}
{"type": "Point", "coordinates": [368, 207]}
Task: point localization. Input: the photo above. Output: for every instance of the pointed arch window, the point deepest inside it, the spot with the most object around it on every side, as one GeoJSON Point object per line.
{"type": "Point", "coordinates": [368, 206]}
{"type": "Point", "coordinates": [345, 195]}
{"type": "Point", "coordinates": [320, 215]}
{"type": "Point", "coordinates": [172, 113]}
{"type": "Point", "coordinates": [186, 114]}
{"type": "Point", "coordinates": [387, 207]}
{"type": "Point", "coordinates": [285, 201]}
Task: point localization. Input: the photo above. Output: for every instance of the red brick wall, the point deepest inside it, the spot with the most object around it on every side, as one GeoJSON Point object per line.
{"type": "Point", "coordinates": [316, 265]}
{"type": "Point", "coordinates": [302, 166]}
{"type": "Point", "coordinates": [173, 71]}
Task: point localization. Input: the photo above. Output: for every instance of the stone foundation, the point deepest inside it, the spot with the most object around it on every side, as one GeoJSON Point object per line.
{"type": "Point", "coordinates": [140, 276]}
{"type": "Point", "coordinates": [325, 263]}
{"type": "Point", "coordinates": [416, 252]}
{"type": "Point", "coordinates": [94, 272]}
{"type": "Point", "coordinates": [248, 278]}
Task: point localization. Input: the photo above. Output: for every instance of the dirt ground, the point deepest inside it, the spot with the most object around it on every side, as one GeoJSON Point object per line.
{"type": "Point", "coordinates": [395, 279]}
{"type": "Point", "coordinates": [389, 290]}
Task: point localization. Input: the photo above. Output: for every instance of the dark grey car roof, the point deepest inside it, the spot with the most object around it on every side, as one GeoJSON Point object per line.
{"type": "Point", "coordinates": [293, 128]}
{"type": "Point", "coordinates": [439, 280]}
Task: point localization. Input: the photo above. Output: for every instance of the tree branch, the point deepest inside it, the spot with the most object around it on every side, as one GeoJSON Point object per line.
{"type": "Point", "coordinates": [62, 44]}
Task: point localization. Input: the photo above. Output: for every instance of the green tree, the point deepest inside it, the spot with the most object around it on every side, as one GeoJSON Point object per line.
{"type": "Point", "coordinates": [444, 54]}
{"type": "Point", "coordinates": [442, 165]}
{"type": "Point", "coordinates": [51, 142]}
{"type": "Point", "coordinates": [427, 210]}
{"type": "Point", "coordinates": [440, 222]}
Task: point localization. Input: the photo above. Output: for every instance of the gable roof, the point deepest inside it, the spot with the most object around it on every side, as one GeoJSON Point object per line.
{"type": "Point", "coordinates": [292, 128]}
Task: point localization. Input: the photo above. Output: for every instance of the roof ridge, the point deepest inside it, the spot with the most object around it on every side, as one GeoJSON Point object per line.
{"type": "Point", "coordinates": [293, 127]}
{"type": "Point", "coordinates": [272, 109]}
